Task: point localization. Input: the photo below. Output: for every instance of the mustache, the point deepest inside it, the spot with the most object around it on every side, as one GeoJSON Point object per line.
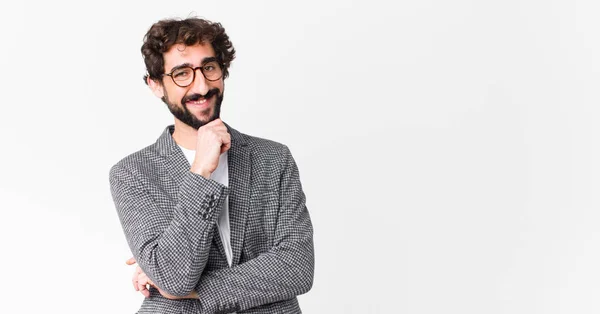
{"type": "Point", "coordinates": [194, 97]}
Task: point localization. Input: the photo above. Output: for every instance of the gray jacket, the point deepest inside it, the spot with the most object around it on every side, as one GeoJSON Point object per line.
{"type": "Point", "coordinates": [169, 216]}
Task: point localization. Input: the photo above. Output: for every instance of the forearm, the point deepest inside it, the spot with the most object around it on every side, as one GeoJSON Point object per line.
{"type": "Point", "coordinates": [263, 280]}
{"type": "Point", "coordinates": [171, 246]}
{"type": "Point", "coordinates": [280, 274]}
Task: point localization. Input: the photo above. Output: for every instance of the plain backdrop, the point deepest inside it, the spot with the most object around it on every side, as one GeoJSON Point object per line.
{"type": "Point", "coordinates": [449, 150]}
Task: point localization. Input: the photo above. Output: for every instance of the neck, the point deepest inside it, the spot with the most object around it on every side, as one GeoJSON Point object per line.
{"type": "Point", "coordinates": [184, 135]}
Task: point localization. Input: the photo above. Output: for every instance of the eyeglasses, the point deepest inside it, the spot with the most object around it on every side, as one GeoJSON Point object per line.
{"type": "Point", "coordinates": [184, 76]}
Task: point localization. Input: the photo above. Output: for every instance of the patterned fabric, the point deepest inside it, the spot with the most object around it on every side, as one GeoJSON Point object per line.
{"type": "Point", "coordinates": [169, 215]}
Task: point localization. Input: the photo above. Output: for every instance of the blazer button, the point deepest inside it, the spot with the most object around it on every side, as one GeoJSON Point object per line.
{"type": "Point", "coordinates": [211, 204]}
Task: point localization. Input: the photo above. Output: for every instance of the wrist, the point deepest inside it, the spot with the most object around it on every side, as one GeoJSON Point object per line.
{"type": "Point", "coordinates": [201, 171]}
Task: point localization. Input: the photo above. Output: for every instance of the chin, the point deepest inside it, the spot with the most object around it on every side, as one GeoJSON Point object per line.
{"type": "Point", "coordinates": [204, 116]}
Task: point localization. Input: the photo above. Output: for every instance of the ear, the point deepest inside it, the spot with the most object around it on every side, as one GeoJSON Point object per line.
{"type": "Point", "coordinates": [156, 87]}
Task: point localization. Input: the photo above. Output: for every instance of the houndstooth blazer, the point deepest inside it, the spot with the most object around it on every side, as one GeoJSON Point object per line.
{"type": "Point", "coordinates": [169, 216]}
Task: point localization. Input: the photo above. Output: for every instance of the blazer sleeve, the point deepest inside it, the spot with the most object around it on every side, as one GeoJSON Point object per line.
{"type": "Point", "coordinates": [283, 272]}
{"type": "Point", "coordinates": [171, 245]}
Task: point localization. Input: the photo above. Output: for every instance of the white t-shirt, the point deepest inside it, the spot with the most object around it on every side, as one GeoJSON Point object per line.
{"type": "Point", "coordinates": [221, 175]}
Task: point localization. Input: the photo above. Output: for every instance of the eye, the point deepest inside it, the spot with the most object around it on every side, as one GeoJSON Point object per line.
{"type": "Point", "coordinates": [212, 66]}
{"type": "Point", "coordinates": [181, 74]}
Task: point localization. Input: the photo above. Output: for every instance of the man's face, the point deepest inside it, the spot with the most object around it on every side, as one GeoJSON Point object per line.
{"type": "Point", "coordinates": [198, 103]}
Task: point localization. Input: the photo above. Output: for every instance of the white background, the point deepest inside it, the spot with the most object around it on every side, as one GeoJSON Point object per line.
{"type": "Point", "coordinates": [448, 149]}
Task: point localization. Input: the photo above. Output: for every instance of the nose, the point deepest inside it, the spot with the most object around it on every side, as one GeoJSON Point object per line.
{"type": "Point", "coordinates": [200, 84]}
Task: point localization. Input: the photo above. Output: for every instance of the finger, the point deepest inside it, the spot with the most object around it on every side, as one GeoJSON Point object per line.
{"type": "Point", "coordinates": [135, 276]}
{"type": "Point", "coordinates": [142, 282]}
{"type": "Point", "coordinates": [217, 132]}
{"type": "Point", "coordinates": [222, 134]}
{"type": "Point", "coordinates": [134, 282]}
{"type": "Point", "coordinates": [225, 147]}
{"type": "Point", "coordinates": [211, 124]}
{"type": "Point", "coordinates": [211, 131]}
{"type": "Point", "coordinates": [130, 261]}
{"type": "Point", "coordinates": [146, 293]}
{"type": "Point", "coordinates": [226, 143]}
{"type": "Point", "coordinates": [219, 127]}
{"type": "Point", "coordinates": [226, 138]}
{"type": "Point", "coordinates": [143, 286]}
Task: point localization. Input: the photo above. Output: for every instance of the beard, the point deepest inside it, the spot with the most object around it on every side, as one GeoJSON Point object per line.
{"type": "Point", "coordinates": [184, 115]}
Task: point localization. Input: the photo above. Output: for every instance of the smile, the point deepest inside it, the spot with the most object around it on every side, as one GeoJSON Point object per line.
{"type": "Point", "coordinates": [202, 103]}
{"type": "Point", "coordinates": [196, 102]}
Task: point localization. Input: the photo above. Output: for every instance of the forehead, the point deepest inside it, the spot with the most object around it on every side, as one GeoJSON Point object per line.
{"type": "Point", "coordinates": [180, 54]}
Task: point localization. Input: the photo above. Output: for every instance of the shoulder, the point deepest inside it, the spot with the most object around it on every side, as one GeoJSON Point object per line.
{"type": "Point", "coordinates": [266, 150]}
{"type": "Point", "coordinates": [265, 146]}
{"type": "Point", "coordinates": [148, 161]}
{"type": "Point", "coordinates": [142, 161]}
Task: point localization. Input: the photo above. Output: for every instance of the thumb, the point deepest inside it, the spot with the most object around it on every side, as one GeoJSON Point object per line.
{"type": "Point", "coordinates": [130, 261]}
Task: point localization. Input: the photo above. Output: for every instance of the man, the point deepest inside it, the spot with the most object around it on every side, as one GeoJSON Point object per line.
{"type": "Point", "coordinates": [216, 219]}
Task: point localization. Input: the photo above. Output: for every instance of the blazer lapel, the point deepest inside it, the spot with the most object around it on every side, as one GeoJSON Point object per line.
{"type": "Point", "coordinates": [239, 195]}
{"type": "Point", "coordinates": [175, 162]}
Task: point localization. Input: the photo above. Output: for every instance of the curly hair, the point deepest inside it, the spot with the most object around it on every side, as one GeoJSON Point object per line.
{"type": "Point", "coordinates": [163, 34]}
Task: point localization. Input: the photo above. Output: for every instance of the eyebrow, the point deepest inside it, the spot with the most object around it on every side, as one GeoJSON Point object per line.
{"type": "Point", "coordinates": [186, 65]}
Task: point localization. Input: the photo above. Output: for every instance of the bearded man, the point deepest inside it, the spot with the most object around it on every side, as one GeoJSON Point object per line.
{"type": "Point", "coordinates": [215, 219]}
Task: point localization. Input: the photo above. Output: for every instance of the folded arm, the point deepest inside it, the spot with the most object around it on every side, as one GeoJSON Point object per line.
{"type": "Point", "coordinates": [171, 245]}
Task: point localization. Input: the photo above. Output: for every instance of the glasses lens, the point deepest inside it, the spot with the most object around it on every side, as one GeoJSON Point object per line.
{"type": "Point", "coordinates": [212, 71]}
{"type": "Point", "coordinates": [183, 76]}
